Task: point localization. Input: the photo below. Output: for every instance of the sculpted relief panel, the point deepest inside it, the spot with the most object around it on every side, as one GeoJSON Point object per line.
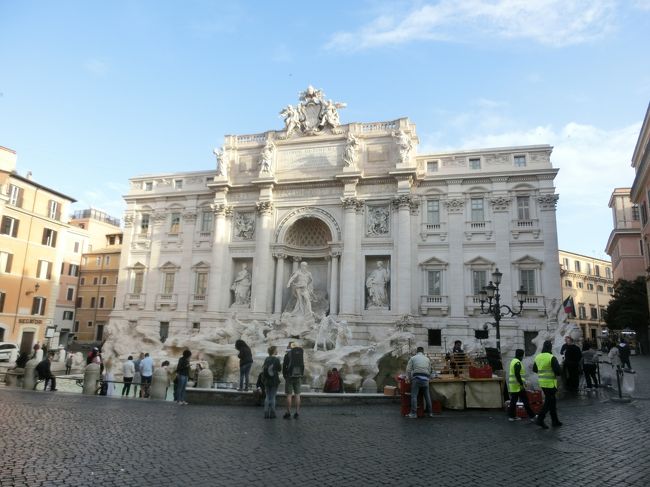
{"type": "Point", "coordinates": [308, 158]}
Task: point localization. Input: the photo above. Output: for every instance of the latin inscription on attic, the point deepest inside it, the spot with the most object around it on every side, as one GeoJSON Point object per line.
{"type": "Point", "coordinates": [308, 158]}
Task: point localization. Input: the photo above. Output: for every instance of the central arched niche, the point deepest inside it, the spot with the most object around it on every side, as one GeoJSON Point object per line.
{"type": "Point", "coordinates": [308, 239]}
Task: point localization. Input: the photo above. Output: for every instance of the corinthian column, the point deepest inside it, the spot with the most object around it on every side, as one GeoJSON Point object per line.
{"type": "Point", "coordinates": [262, 269]}
{"type": "Point", "coordinates": [349, 258]}
{"type": "Point", "coordinates": [279, 282]}
{"type": "Point", "coordinates": [334, 284]}
{"type": "Point", "coordinates": [218, 294]}
{"type": "Point", "coordinates": [405, 204]}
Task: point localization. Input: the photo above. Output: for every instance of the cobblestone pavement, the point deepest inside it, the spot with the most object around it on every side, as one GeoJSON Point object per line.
{"type": "Point", "coordinates": [69, 439]}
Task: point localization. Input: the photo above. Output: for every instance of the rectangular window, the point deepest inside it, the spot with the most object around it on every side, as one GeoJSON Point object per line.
{"type": "Point", "coordinates": [196, 325]}
{"type": "Point", "coordinates": [590, 287]}
{"type": "Point", "coordinates": [98, 261]}
{"type": "Point", "coordinates": [588, 268]}
{"type": "Point", "coordinates": [69, 295]}
{"type": "Point", "coordinates": [168, 284]}
{"type": "Point", "coordinates": [2, 301]}
{"type": "Point", "coordinates": [635, 212]}
{"type": "Point", "coordinates": [475, 163]}
{"type": "Point", "coordinates": [610, 289]}
{"type": "Point", "coordinates": [67, 315]}
{"type": "Point", "coordinates": [104, 280]}
{"type": "Point", "coordinates": [89, 324]}
{"type": "Point", "coordinates": [580, 285]}
{"type": "Point", "coordinates": [433, 212]}
{"type": "Point", "coordinates": [479, 281]}
{"type": "Point", "coordinates": [565, 263]}
{"type": "Point", "coordinates": [54, 210]}
{"type": "Point", "coordinates": [434, 283]}
{"type": "Point", "coordinates": [527, 280]}
{"type": "Point", "coordinates": [164, 330]}
{"type": "Point", "coordinates": [80, 302]}
{"type": "Point", "coordinates": [608, 272]}
{"type": "Point", "coordinates": [520, 161]}
{"type": "Point", "coordinates": [76, 247]}
{"type": "Point", "coordinates": [201, 287]}
{"type": "Point", "coordinates": [76, 327]}
{"type": "Point", "coordinates": [95, 281]}
{"type": "Point", "coordinates": [9, 226]}
{"type": "Point", "coordinates": [82, 281]}
{"type": "Point", "coordinates": [73, 270]}
{"type": "Point", "coordinates": [178, 184]}
{"type": "Point", "coordinates": [434, 338]}
{"type": "Point", "coordinates": [144, 223]}
{"type": "Point", "coordinates": [644, 213]}
{"type": "Point", "coordinates": [432, 166]}
{"type": "Point", "coordinates": [6, 259]}
{"type": "Point", "coordinates": [594, 313]}
{"type": "Point", "coordinates": [15, 196]}
{"type": "Point", "coordinates": [599, 288]}
{"type": "Point", "coordinates": [138, 280]}
{"type": "Point", "coordinates": [175, 223]}
{"type": "Point", "coordinates": [477, 210]}
{"type": "Point", "coordinates": [44, 269]}
{"type": "Point", "coordinates": [107, 259]}
{"type": "Point", "coordinates": [206, 221]}
{"type": "Point", "coordinates": [49, 237]}
{"type": "Point", "coordinates": [582, 312]}
{"type": "Point", "coordinates": [92, 302]}
{"type": "Point", "coordinates": [101, 302]}
{"type": "Point", "coordinates": [148, 185]}
{"type": "Point", "coordinates": [38, 305]}
{"type": "Point", "coordinates": [523, 207]}
{"type": "Point", "coordinates": [576, 266]}
{"type": "Point", "coordinates": [597, 270]}
{"type": "Point", "coordinates": [568, 283]}
{"type": "Point", "coordinates": [114, 299]}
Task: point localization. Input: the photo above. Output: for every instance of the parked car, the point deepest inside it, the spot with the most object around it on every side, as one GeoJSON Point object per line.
{"type": "Point", "coordinates": [6, 349]}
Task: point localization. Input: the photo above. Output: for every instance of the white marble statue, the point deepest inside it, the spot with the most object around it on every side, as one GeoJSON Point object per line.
{"type": "Point", "coordinates": [222, 161]}
{"type": "Point", "coordinates": [325, 333]}
{"type": "Point", "coordinates": [378, 220]}
{"type": "Point", "coordinates": [376, 285]}
{"type": "Point", "coordinates": [303, 288]}
{"type": "Point", "coordinates": [291, 117]}
{"type": "Point", "coordinates": [242, 285]}
{"type": "Point", "coordinates": [343, 334]}
{"type": "Point", "coordinates": [350, 155]}
{"type": "Point", "coordinates": [330, 115]}
{"type": "Point", "coordinates": [266, 159]}
{"type": "Point", "coordinates": [404, 145]}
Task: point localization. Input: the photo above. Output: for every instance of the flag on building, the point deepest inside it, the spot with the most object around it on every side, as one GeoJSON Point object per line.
{"type": "Point", "coordinates": [569, 308]}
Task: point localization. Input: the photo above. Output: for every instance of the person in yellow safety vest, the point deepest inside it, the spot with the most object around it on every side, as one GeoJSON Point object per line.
{"type": "Point", "coordinates": [517, 387]}
{"type": "Point", "coordinates": [547, 368]}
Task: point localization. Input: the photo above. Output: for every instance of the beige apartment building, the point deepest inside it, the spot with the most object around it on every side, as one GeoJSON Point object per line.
{"type": "Point", "coordinates": [33, 234]}
{"type": "Point", "coordinates": [98, 274]}
{"type": "Point", "coordinates": [590, 282]}
{"type": "Point", "coordinates": [625, 246]}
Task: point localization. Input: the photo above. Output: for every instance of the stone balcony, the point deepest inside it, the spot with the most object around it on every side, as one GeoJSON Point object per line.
{"type": "Point", "coordinates": [134, 299]}
{"type": "Point", "coordinates": [525, 226]}
{"type": "Point", "coordinates": [434, 305]}
{"type": "Point", "coordinates": [473, 229]}
{"type": "Point", "coordinates": [198, 301]}
{"type": "Point", "coordinates": [169, 301]}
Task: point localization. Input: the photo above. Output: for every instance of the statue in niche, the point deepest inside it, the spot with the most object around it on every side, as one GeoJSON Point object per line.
{"type": "Point", "coordinates": [378, 223]}
{"type": "Point", "coordinates": [404, 145]}
{"type": "Point", "coordinates": [303, 288]}
{"type": "Point", "coordinates": [221, 161]}
{"type": "Point", "coordinates": [266, 160]}
{"type": "Point", "coordinates": [244, 226]}
{"type": "Point", "coordinates": [242, 286]}
{"type": "Point", "coordinates": [376, 285]}
{"type": "Point", "coordinates": [291, 117]}
{"type": "Point", "coordinates": [350, 154]}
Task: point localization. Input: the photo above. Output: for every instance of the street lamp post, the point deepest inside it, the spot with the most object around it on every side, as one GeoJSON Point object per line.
{"type": "Point", "coordinates": [490, 293]}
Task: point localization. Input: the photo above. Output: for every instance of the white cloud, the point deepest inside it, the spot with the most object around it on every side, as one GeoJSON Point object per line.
{"type": "Point", "coordinates": [550, 22]}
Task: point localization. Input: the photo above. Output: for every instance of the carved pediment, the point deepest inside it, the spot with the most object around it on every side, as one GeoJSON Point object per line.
{"type": "Point", "coordinates": [528, 260]}
{"type": "Point", "coordinates": [479, 262]}
{"type": "Point", "coordinates": [201, 266]}
{"type": "Point", "coordinates": [169, 266]}
{"type": "Point", "coordinates": [434, 262]}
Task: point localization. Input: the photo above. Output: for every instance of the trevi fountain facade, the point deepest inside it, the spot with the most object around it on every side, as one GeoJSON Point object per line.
{"type": "Point", "coordinates": [343, 237]}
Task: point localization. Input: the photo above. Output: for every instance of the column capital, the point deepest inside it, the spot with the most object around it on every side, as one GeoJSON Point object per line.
{"type": "Point", "coordinates": [264, 207]}
{"type": "Point", "coordinates": [221, 209]}
{"type": "Point", "coordinates": [548, 201]}
{"type": "Point", "coordinates": [352, 203]}
{"type": "Point", "coordinates": [406, 201]}
{"type": "Point", "coordinates": [279, 255]}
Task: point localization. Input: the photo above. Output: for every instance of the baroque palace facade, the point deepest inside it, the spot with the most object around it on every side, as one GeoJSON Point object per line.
{"type": "Point", "coordinates": [389, 234]}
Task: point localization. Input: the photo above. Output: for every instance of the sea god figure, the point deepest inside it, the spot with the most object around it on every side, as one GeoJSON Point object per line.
{"type": "Point", "coordinates": [376, 284]}
{"type": "Point", "coordinates": [303, 288]}
{"type": "Point", "coordinates": [242, 286]}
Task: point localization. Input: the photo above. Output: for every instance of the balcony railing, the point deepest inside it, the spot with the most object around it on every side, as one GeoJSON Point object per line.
{"type": "Point", "coordinates": [433, 302]}
{"type": "Point", "coordinates": [165, 299]}
{"type": "Point", "coordinates": [134, 299]}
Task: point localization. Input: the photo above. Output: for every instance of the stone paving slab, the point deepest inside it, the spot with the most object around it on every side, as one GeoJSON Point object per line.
{"type": "Point", "coordinates": [69, 439]}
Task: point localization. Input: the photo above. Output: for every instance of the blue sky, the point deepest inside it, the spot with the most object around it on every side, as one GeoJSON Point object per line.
{"type": "Point", "coordinates": [93, 93]}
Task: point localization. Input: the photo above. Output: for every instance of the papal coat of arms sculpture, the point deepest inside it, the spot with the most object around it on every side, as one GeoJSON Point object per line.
{"type": "Point", "coordinates": [312, 115]}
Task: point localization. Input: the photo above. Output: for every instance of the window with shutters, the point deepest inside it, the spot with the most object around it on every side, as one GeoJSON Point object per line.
{"type": "Point", "coordinates": [9, 226]}
{"type": "Point", "coordinates": [38, 305]}
{"type": "Point", "coordinates": [49, 237]}
{"type": "Point", "coordinates": [44, 269]}
{"type": "Point", "coordinates": [54, 210]}
{"type": "Point", "coordinates": [6, 260]}
{"type": "Point", "coordinates": [15, 194]}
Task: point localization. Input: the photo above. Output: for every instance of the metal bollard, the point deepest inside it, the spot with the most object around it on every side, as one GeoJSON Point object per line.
{"type": "Point", "coordinates": [206, 379]}
{"type": "Point", "coordinates": [159, 383]}
{"type": "Point", "coordinates": [91, 376]}
{"type": "Point", "coordinates": [29, 379]}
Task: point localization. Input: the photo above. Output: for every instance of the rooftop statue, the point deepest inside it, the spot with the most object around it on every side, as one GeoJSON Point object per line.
{"type": "Point", "coordinates": [312, 114]}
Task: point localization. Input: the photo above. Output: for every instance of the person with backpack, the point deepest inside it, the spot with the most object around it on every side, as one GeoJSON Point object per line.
{"type": "Point", "coordinates": [45, 373]}
{"type": "Point", "coordinates": [293, 368]}
{"type": "Point", "coordinates": [271, 380]}
{"type": "Point", "coordinates": [245, 363]}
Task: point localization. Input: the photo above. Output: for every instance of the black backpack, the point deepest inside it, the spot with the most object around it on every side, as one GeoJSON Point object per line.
{"type": "Point", "coordinates": [296, 363]}
{"type": "Point", "coordinates": [268, 369]}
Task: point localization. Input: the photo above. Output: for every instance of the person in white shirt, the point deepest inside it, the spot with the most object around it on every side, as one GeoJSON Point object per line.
{"type": "Point", "coordinates": [128, 371]}
{"type": "Point", "coordinates": [146, 370]}
{"type": "Point", "coordinates": [418, 371]}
